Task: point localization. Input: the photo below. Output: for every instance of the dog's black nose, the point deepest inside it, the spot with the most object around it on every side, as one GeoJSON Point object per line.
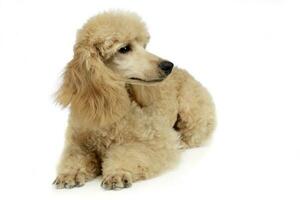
{"type": "Point", "coordinates": [166, 66]}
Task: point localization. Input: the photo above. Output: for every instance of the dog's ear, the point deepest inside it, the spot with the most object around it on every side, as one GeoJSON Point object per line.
{"type": "Point", "coordinates": [67, 89]}
{"type": "Point", "coordinates": [76, 74]}
{"type": "Point", "coordinates": [95, 93]}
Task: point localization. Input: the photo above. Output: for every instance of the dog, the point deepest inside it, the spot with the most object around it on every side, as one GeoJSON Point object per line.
{"type": "Point", "coordinates": [131, 112]}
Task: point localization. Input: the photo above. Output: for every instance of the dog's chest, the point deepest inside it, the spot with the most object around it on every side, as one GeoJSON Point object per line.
{"type": "Point", "coordinates": [100, 140]}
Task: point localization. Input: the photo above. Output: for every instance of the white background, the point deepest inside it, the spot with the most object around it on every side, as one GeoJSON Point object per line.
{"type": "Point", "coordinates": [247, 53]}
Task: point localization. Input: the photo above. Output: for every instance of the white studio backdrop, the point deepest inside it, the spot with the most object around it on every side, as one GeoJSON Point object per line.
{"type": "Point", "coordinates": [247, 53]}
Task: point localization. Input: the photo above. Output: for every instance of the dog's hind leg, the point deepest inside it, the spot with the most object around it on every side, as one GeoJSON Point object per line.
{"type": "Point", "coordinates": [196, 116]}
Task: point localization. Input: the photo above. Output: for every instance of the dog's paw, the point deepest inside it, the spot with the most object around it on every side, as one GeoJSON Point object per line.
{"type": "Point", "coordinates": [70, 180]}
{"type": "Point", "coordinates": [117, 181]}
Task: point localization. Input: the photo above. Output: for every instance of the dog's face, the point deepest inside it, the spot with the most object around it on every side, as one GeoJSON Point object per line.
{"type": "Point", "coordinates": [134, 63]}
{"type": "Point", "coordinates": [117, 41]}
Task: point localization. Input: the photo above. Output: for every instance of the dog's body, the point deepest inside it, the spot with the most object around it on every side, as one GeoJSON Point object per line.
{"type": "Point", "coordinates": [125, 122]}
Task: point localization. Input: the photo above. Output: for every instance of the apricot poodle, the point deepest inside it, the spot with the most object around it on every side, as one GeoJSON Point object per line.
{"type": "Point", "coordinates": [130, 111]}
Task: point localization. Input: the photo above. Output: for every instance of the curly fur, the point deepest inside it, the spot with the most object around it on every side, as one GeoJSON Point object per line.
{"type": "Point", "coordinates": [123, 130]}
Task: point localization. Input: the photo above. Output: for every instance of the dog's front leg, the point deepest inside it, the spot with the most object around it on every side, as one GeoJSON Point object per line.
{"type": "Point", "coordinates": [124, 164]}
{"type": "Point", "coordinates": [77, 165]}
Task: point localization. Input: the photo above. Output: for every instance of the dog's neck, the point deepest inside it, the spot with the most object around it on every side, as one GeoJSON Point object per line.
{"type": "Point", "coordinates": [143, 95]}
{"type": "Point", "coordinates": [131, 94]}
{"type": "Point", "coordinates": [104, 105]}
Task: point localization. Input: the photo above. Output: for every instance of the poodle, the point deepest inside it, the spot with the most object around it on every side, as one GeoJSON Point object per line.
{"type": "Point", "coordinates": [131, 112]}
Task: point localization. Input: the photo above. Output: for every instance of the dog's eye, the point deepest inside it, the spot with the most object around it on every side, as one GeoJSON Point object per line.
{"type": "Point", "coordinates": [125, 49]}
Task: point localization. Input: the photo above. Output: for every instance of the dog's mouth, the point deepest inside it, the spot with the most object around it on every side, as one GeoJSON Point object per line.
{"type": "Point", "coordinates": [139, 81]}
{"type": "Point", "coordinates": [147, 81]}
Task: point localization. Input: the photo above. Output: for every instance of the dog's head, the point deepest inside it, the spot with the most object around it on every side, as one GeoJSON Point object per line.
{"type": "Point", "coordinates": [109, 52]}
{"type": "Point", "coordinates": [118, 40]}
